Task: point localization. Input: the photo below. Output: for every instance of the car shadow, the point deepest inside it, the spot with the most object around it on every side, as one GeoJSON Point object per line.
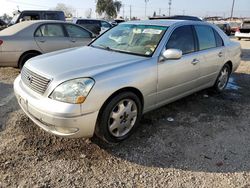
{"type": "Point", "coordinates": [205, 132]}
{"type": "Point", "coordinates": [245, 54]}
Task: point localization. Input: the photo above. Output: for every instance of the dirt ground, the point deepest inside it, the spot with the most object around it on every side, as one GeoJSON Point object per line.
{"type": "Point", "coordinates": [207, 144]}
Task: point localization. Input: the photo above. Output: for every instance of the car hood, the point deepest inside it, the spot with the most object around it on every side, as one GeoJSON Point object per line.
{"type": "Point", "coordinates": [86, 61]}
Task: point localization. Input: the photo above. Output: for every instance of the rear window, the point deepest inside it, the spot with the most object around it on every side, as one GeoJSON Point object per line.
{"type": "Point", "coordinates": [51, 16]}
{"type": "Point", "coordinates": [246, 25]}
{"type": "Point", "coordinates": [82, 22]}
{"type": "Point", "coordinates": [206, 37]}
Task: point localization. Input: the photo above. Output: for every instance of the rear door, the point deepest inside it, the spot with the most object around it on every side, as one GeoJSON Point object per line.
{"type": "Point", "coordinates": [211, 48]}
{"type": "Point", "coordinates": [77, 35]}
{"type": "Point", "coordinates": [51, 37]}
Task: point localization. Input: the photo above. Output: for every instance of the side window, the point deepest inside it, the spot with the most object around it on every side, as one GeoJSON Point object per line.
{"type": "Point", "coordinates": [30, 16]}
{"type": "Point", "coordinates": [50, 30]}
{"type": "Point", "coordinates": [206, 37]}
{"type": "Point", "coordinates": [105, 24]}
{"type": "Point", "coordinates": [76, 32]}
{"type": "Point", "coordinates": [51, 16]}
{"type": "Point", "coordinates": [183, 39]}
{"type": "Point", "coordinates": [219, 41]}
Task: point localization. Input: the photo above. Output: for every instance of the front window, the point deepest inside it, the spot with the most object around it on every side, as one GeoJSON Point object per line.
{"type": "Point", "coordinates": [132, 39]}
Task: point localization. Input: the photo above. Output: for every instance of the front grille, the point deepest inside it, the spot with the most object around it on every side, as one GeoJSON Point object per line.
{"type": "Point", "coordinates": [34, 81]}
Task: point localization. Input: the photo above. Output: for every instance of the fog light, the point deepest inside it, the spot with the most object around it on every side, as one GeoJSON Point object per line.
{"type": "Point", "coordinates": [66, 130]}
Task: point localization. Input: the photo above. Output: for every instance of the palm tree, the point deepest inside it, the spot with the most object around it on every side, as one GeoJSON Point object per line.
{"type": "Point", "coordinates": [118, 6]}
{"type": "Point", "coordinates": [108, 7]}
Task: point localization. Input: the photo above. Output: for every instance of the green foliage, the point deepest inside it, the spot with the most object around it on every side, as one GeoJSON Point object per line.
{"type": "Point", "coordinates": [108, 7]}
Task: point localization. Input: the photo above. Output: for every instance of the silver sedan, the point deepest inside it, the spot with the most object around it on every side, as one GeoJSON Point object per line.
{"type": "Point", "coordinates": [136, 67]}
{"type": "Point", "coordinates": [28, 39]}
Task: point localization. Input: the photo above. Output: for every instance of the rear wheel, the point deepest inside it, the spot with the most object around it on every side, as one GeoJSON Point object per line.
{"type": "Point", "coordinates": [25, 58]}
{"type": "Point", "coordinates": [119, 118]}
{"type": "Point", "coordinates": [223, 78]}
{"type": "Point", "coordinates": [239, 38]}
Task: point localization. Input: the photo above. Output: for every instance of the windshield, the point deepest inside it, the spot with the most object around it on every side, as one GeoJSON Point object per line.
{"type": "Point", "coordinates": [14, 19]}
{"type": "Point", "coordinates": [132, 39]}
{"type": "Point", "coordinates": [246, 25]}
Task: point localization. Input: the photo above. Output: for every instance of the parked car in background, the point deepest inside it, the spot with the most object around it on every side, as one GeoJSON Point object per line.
{"type": "Point", "coordinates": [235, 26]}
{"type": "Point", "coordinates": [224, 27]}
{"type": "Point", "coordinates": [25, 40]}
{"type": "Point", "coordinates": [94, 25]}
{"type": "Point", "coordinates": [117, 21]}
{"type": "Point", "coordinates": [244, 30]}
{"type": "Point", "coordinates": [135, 67]}
{"type": "Point", "coordinates": [176, 17]}
{"type": "Point", "coordinates": [28, 15]}
{"type": "Point", "coordinates": [3, 25]}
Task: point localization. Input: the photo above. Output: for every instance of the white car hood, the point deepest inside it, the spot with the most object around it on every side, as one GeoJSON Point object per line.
{"type": "Point", "coordinates": [86, 61]}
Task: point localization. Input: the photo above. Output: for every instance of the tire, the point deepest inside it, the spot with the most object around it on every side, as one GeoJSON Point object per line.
{"type": "Point", "coordinates": [119, 118]}
{"type": "Point", "coordinates": [239, 38]}
{"type": "Point", "coordinates": [222, 79]}
{"type": "Point", "coordinates": [25, 58]}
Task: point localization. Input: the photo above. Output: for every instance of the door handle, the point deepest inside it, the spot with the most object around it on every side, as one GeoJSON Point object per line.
{"type": "Point", "coordinates": [195, 61]}
{"type": "Point", "coordinates": [42, 40]}
{"type": "Point", "coordinates": [220, 54]}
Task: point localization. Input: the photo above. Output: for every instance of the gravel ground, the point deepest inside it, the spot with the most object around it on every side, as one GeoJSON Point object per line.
{"type": "Point", "coordinates": [207, 144]}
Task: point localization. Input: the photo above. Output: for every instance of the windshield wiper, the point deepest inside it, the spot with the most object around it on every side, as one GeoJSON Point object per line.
{"type": "Point", "coordinates": [103, 47]}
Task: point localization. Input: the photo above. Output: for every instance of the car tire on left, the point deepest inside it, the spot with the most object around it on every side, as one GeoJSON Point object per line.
{"type": "Point", "coordinates": [25, 58]}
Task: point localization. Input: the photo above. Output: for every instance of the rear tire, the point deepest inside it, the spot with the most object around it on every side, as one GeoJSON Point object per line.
{"type": "Point", "coordinates": [222, 79]}
{"type": "Point", "coordinates": [239, 38]}
{"type": "Point", "coordinates": [119, 118]}
{"type": "Point", "coordinates": [25, 58]}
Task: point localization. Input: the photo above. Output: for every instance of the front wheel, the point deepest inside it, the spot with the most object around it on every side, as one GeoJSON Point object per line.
{"type": "Point", "coordinates": [119, 118]}
{"type": "Point", "coordinates": [223, 78]}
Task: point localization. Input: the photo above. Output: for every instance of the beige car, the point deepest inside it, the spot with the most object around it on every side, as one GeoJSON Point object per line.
{"type": "Point", "coordinates": [28, 39]}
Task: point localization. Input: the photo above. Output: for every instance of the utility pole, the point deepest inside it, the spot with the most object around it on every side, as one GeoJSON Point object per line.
{"type": "Point", "coordinates": [123, 11]}
{"type": "Point", "coordinates": [169, 3]}
{"type": "Point", "coordinates": [232, 10]}
{"type": "Point", "coordinates": [183, 12]}
{"type": "Point", "coordinates": [146, 2]}
{"type": "Point", "coordinates": [130, 12]}
{"type": "Point", "coordinates": [159, 11]}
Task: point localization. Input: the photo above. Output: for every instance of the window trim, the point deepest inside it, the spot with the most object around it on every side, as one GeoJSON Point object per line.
{"type": "Point", "coordinates": [39, 26]}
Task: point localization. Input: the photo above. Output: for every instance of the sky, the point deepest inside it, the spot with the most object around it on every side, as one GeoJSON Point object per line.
{"type": "Point", "coordinates": [199, 8]}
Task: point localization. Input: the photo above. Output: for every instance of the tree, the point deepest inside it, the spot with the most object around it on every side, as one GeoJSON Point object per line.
{"type": "Point", "coordinates": [118, 6]}
{"type": "Point", "coordinates": [68, 10]}
{"type": "Point", "coordinates": [108, 7]}
{"type": "Point", "coordinates": [5, 17]}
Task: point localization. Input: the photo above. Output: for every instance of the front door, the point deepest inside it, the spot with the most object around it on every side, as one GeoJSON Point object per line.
{"type": "Point", "coordinates": [176, 78]}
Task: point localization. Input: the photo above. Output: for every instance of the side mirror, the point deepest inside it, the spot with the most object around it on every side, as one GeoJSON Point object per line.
{"type": "Point", "coordinates": [173, 54]}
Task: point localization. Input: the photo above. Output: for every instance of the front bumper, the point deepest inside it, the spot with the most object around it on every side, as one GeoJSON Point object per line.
{"type": "Point", "coordinates": [58, 118]}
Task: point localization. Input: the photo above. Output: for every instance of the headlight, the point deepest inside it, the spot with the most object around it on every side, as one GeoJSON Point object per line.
{"type": "Point", "coordinates": [73, 91]}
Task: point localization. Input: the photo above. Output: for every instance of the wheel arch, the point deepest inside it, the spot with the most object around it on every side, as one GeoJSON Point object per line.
{"type": "Point", "coordinates": [134, 90]}
{"type": "Point", "coordinates": [25, 53]}
{"type": "Point", "coordinates": [230, 65]}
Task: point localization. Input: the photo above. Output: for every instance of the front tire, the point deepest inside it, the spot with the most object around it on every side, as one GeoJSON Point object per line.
{"type": "Point", "coordinates": [223, 78]}
{"type": "Point", "coordinates": [119, 118]}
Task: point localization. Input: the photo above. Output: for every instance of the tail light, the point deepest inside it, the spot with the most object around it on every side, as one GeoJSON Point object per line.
{"type": "Point", "coordinates": [1, 42]}
{"type": "Point", "coordinates": [237, 29]}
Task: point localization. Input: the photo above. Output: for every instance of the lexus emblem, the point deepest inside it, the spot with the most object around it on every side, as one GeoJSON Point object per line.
{"type": "Point", "coordinates": [30, 78]}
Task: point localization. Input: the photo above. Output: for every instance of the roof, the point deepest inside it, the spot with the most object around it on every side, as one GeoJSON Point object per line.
{"type": "Point", "coordinates": [158, 22]}
{"type": "Point", "coordinates": [22, 25]}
